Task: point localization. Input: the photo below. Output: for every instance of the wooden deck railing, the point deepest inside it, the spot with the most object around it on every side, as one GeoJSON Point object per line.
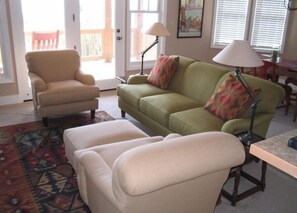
{"type": "Point", "coordinates": [98, 44]}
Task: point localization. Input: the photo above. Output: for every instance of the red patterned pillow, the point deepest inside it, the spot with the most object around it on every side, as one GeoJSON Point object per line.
{"type": "Point", "coordinates": [231, 100]}
{"type": "Point", "coordinates": [163, 71]}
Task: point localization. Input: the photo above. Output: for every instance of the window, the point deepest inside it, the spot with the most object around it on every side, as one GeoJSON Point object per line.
{"type": "Point", "coordinates": [6, 71]}
{"type": "Point", "coordinates": [262, 22]}
{"type": "Point", "coordinates": [141, 15]}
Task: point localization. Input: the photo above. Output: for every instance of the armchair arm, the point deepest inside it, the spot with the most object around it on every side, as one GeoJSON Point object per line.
{"type": "Point", "coordinates": [261, 124]}
{"type": "Point", "coordinates": [137, 79]}
{"type": "Point", "coordinates": [37, 82]}
{"type": "Point", "coordinates": [85, 78]}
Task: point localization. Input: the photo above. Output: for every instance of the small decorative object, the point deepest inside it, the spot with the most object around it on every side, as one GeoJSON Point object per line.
{"type": "Point", "coordinates": [157, 30]}
{"type": "Point", "coordinates": [274, 55]}
{"type": "Point", "coordinates": [190, 18]}
{"type": "Point", "coordinates": [241, 54]}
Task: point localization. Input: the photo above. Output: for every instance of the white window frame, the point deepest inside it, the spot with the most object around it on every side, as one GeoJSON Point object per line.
{"type": "Point", "coordinates": [265, 49]}
{"type": "Point", "coordinates": [5, 42]}
{"type": "Point", "coordinates": [130, 66]}
{"type": "Point", "coordinates": [249, 27]}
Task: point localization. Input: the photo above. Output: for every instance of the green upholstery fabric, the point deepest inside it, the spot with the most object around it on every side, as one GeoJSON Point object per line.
{"type": "Point", "coordinates": [196, 78]}
{"type": "Point", "coordinates": [180, 108]}
{"type": "Point", "coordinates": [133, 92]}
{"type": "Point", "coordinates": [159, 107]}
{"type": "Point", "coordinates": [194, 121]}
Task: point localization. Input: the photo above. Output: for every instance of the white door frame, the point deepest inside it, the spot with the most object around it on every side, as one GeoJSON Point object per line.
{"type": "Point", "coordinates": [24, 89]}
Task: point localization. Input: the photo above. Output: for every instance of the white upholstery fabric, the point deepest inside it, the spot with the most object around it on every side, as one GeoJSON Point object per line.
{"type": "Point", "coordinates": [185, 174]}
{"type": "Point", "coordinates": [97, 134]}
{"type": "Point", "coordinates": [106, 155]}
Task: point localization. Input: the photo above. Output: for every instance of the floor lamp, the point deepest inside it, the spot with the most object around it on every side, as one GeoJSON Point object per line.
{"type": "Point", "coordinates": [157, 30]}
{"type": "Point", "coordinates": [240, 54]}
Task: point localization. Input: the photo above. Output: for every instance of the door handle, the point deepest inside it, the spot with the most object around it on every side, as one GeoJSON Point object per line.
{"type": "Point", "coordinates": [119, 38]}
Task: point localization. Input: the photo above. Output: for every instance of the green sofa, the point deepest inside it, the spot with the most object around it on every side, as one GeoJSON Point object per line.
{"type": "Point", "coordinates": [180, 108]}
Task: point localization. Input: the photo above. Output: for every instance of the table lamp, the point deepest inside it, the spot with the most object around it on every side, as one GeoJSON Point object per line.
{"type": "Point", "coordinates": [157, 30]}
{"type": "Point", "coordinates": [239, 54]}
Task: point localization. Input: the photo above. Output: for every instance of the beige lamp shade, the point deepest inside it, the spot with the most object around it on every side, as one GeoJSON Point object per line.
{"type": "Point", "coordinates": [238, 54]}
{"type": "Point", "coordinates": [158, 29]}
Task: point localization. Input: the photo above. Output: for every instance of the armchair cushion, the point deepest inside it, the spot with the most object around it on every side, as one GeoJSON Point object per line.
{"type": "Point", "coordinates": [66, 92]}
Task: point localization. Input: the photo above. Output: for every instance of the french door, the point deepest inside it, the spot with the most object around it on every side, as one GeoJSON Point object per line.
{"type": "Point", "coordinates": [96, 28]}
{"type": "Point", "coordinates": [93, 27]}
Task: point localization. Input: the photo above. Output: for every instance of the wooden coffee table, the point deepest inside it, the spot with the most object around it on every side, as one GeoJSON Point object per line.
{"type": "Point", "coordinates": [276, 152]}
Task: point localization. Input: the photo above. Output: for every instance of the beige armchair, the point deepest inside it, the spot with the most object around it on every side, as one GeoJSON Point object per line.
{"type": "Point", "coordinates": [58, 85]}
{"type": "Point", "coordinates": [148, 175]}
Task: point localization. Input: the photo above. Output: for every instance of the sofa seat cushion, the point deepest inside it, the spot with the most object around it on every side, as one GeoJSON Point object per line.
{"type": "Point", "coordinates": [131, 93]}
{"type": "Point", "coordinates": [159, 107]}
{"type": "Point", "coordinates": [62, 92]}
{"type": "Point", "coordinates": [194, 121]}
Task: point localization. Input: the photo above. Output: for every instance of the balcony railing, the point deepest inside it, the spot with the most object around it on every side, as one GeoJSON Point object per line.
{"type": "Point", "coordinates": [98, 44]}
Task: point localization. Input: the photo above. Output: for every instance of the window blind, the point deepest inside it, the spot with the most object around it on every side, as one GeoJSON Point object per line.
{"type": "Point", "coordinates": [267, 18]}
{"type": "Point", "coordinates": [230, 21]}
{"type": "Point", "coordinates": [269, 23]}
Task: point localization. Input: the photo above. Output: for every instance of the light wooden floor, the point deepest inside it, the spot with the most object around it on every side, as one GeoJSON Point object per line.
{"type": "Point", "coordinates": [24, 112]}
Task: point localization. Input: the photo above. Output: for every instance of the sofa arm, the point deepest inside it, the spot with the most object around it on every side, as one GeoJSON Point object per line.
{"type": "Point", "coordinates": [137, 79]}
{"type": "Point", "coordinates": [38, 84]}
{"type": "Point", "coordinates": [236, 126]}
{"type": "Point", "coordinates": [85, 78]}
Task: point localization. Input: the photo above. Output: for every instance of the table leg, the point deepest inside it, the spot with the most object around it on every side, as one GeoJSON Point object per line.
{"type": "Point", "coordinates": [263, 175]}
{"type": "Point", "coordinates": [236, 185]}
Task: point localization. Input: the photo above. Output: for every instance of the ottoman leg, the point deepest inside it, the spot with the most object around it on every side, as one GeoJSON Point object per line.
{"type": "Point", "coordinates": [92, 114]}
{"type": "Point", "coordinates": [123, 113]}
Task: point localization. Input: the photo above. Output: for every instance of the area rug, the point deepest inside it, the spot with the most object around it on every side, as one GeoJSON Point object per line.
{"type": "Point", "coordinates": [35, 175]}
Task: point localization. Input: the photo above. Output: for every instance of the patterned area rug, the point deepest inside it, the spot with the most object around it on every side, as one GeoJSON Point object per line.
{"type": "Point", "coordinates": [34, 173]}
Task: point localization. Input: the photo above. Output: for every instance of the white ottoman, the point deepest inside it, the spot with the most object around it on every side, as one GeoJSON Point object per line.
{"type": "Point", "coordinates": [97, 134]}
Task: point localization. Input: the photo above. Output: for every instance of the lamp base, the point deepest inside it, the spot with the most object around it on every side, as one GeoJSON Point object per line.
{"type": "Point", "coordinates": [248, 138]}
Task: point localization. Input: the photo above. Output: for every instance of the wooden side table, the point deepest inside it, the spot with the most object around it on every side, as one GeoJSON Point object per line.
{"type": "Point", "coordinates": [238, 172]}
{"type": "Point", "coordinates": [275, 151]}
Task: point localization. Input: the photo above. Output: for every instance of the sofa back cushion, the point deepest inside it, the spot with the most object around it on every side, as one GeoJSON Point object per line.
{"type": "Point", "coordinates": [198, 80]}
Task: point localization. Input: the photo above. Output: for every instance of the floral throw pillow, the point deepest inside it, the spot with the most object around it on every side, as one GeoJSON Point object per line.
{"type": "Point", "coordinates": [231, 100]}
{"type": "Point", "coordinates": [163, 71]}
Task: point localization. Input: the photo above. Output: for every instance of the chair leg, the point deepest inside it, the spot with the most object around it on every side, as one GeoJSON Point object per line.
{"type": "Point", "coordinates": [45, 121]}
{"type": "Point", "coordinates": [295, 113]}
{"type": "Point", "coordinates": [123, 113]}
{"type": "Point", "coordinates": [92, 114]}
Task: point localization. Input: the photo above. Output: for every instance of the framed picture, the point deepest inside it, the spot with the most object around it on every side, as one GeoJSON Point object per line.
{"type": "Point", "coordinates": [190, 18]}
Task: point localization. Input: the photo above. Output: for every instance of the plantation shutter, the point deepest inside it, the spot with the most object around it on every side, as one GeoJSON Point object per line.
{"type": "Point", "coordinates": [230, 21]}
{"type": "Point", "coordinates": [268, 24]}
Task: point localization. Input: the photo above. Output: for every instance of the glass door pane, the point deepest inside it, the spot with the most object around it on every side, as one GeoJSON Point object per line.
{"type": "Point", "coordinates": [97, 38]}
{"type": "Point", "coordinates": [43, 16]}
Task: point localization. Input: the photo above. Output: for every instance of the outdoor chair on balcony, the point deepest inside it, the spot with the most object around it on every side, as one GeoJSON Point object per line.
{"type": "Point", "coordinates": [58, 85]}
{"type": "Point", "coordinates": [45, 40]}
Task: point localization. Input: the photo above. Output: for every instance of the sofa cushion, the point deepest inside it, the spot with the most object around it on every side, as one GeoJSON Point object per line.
{"type": "Point", "coordinates": [197, 81]}
{"type": "Point", "coordinates": [131, 93]}
{"type": "Point", "coordinates": [159, 107]}
{"type": "Point", "coordinates": [231, 100]}
{"type": "Point", "coordinates": [62, 92]}
{"type": "Point", "coordinates": [195, 120]}
{"type": "Point", "coordinates": [163, 71]}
